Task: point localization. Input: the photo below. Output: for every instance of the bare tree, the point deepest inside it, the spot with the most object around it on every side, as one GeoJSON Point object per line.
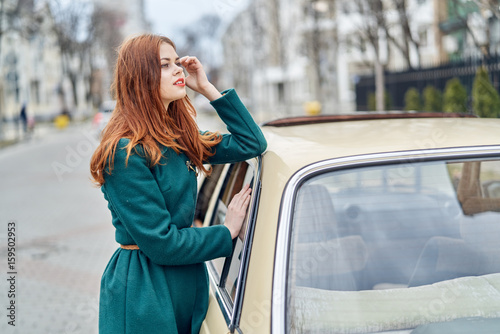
{"type": "Point", "coordinates": [407, 36]}
{"type": "Point", "coordinates": [103, 39]}
{"type": "Point", "coordinates": [200, 34]}
{"type": "Point", "coordinates": [493, 6]}
{"type": "Point", "coordinates": [104, 31]}
{"type": "Point", "coordinates": [315, 47]}
{"type": "Point", "coordinates": [371, 31]}
{"type": "Point", "coordinates": [15, 16]}
{"type": "Point", "coordinates": [380, 33]}
{"type": "Point", "coordinates": [485, 9]}
{"type": "Point", "coordinates": [70, 28]}
{"type": "Point", "coordinates": [321, 41]}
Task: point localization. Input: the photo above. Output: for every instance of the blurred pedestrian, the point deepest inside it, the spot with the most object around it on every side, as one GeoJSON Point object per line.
{"type": "Point", "coordinates": [146, 164]}
{"type": "Point", "coordinates": [31, 124]}
{"type": "Point", "coordinates": [23, 118]}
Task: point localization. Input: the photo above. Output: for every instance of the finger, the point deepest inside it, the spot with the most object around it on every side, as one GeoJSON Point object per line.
{"type": "Point", "coordinates": [185, 61]}
{"type": "Point", "coordinates": [245, 188]}
{"type": "Point", "coordinates": [248, 192]}
{"type": "Point", "coordinates": [247, 195]}
{"type": "Point", "coordinates": [246, 201]}
{"type": "Point", "coordinates": [245, 191]}
{"type": "Point", "coordinates": [244, 205]}
{"type": "Point", "coordinates": [242, 200]}
{"type": "Point", "coordinates": [236, 202]}
{"type": "Point", "coordinates": [188, 60]}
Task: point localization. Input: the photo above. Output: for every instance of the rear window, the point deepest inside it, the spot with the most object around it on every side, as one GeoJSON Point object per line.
{"type": "Point", "coordinates": [394, 247]}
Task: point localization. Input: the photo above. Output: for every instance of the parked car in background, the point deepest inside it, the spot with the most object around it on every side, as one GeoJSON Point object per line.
{"type": "Point", "coordinates": [102, 117]}
{"type": "Point", "coordinates": [367, 223]}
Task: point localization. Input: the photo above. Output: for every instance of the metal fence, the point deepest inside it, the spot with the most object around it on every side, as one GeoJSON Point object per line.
{"type": "Point", "coordinates": [397, 83]}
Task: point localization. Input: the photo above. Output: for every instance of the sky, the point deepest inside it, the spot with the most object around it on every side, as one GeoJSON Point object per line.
{"type": "Point", "coordinates": [170, 16]}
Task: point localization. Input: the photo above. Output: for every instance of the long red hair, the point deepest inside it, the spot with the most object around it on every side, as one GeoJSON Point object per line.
{"type": "Point", "coordinates": [140, 114]}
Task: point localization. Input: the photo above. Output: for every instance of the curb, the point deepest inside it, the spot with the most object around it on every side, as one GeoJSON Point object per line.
{"type": "Point", "coordinates": [40, 131]}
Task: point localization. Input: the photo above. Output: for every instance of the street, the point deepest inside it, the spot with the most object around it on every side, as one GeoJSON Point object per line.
{"type": "Point", "coordinates": [63, 234]}
{"type": "Point", "coordinates": [62, 237]}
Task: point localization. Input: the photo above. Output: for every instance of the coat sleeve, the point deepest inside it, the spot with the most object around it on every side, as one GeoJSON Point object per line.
{"type": "Point", "coordinates": [137, 202]}
{"type": "Point", "coordinates": [245, 140]}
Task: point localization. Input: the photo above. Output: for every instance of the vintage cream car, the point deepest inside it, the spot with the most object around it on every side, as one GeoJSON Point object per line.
{"type": "Point", "coordinates": [368, 223]}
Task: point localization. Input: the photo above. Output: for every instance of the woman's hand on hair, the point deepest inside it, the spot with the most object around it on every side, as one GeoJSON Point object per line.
{"type": "Point", "coordinates": [237, 210]}
{"type": "Point", "coordinates": [197, 78]}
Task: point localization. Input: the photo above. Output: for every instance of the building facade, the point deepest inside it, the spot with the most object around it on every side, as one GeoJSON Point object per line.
{"type": "Point", "coordinates": [267, 54]}
{"type": "Point", "coordinates": [39, 69]}
{"type": "Point", "coordinates": [283, 54]}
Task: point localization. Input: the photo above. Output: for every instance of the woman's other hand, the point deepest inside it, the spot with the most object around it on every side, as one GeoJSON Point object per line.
{"type": "Point", "coordinates": [197, 78]}
{"type": "Point", "coordinates": [236, 211]}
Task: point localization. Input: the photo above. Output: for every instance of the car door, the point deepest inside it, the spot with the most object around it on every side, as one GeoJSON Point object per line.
{"type": "Point", "coordinates": [226, 275]}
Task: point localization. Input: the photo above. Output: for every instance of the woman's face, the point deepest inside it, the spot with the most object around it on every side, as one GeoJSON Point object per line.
{"type": "Point", "coordinates": [172, 85]}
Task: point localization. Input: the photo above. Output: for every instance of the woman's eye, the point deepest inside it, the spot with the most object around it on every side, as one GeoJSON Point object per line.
{"type": "Point", "coordinates": [164, 65]}
{"type": "Point", "coordinates": [178, 64]}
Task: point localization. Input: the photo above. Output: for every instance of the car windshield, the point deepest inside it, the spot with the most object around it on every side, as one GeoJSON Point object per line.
{"type": "Point", "coordinates": [395, 247]}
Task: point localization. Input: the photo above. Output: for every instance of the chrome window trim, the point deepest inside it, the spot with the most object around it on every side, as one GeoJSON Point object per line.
{"type": "Point", "coordinates": [223, 298]}
{"type": "Point", "coordinates": [278, 309]}
{"type": "Point", "coordinates": [247, 247]}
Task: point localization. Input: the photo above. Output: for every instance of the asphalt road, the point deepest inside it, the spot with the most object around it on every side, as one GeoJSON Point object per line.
{"type": "Point", "coordinates": [62, 229]}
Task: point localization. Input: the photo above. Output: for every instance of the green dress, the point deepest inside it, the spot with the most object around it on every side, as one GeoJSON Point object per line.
{"type": "Point", "coordinates": [163, 286]}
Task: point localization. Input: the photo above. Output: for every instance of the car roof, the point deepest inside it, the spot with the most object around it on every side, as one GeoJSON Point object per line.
{"type": "Point", "coordinates": [292, 147]}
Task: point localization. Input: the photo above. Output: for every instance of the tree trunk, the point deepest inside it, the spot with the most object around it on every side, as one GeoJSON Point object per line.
{"type": "Point", "coordinates": [316, 47]}
{"type": "Point", "coordinates": [379, 84]}
{"type": "Point", "coordinates": [74, 90]}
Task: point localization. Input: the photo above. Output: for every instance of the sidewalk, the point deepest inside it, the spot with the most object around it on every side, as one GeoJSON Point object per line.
{"type": "Point", "coordinates": [64, 236]}
{"type": "Point", "coordinates": [11, 132]}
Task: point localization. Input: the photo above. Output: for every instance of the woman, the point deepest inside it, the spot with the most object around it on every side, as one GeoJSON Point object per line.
{"type": "Point", "coordinates": [146, 163]}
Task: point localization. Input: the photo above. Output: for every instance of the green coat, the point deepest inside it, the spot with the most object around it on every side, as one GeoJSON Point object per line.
{"type": "Point", "coordinates": [163, 287]}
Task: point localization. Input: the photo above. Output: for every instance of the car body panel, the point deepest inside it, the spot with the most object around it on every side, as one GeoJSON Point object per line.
{"type": "Point", "coordinates": [214, 322]}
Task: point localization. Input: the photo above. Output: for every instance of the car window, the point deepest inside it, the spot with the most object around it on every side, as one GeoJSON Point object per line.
{"type": "Point", "coordinates": [232, 276]}
{"type": "Point", "coordinates": [238, 175]}
{"type": "Point", "coordinates": [417, 240]}
{"type": "Point", "coordinates": [204, 194]}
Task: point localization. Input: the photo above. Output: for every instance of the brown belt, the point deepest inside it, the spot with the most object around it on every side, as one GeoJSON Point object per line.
{"type": "Point", "coordinates": [129, 247]}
